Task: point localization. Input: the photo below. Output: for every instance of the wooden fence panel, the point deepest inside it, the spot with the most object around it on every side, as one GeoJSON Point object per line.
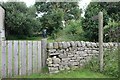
{"type": "Point", "coordinates": [26, 56]}
{"type": "Point", "coordinates": [15, 58]}
{"type": "Point", "coordinates": [29, 57]}
{"type": "Point", "coordinates": [39, 57]}
{"type": "Point", "coordinates": [9, 50]}
{"type": "Point", "coordinates": [20, 56]}
{"type": "Point", "coordinates": [23, 65]}
{"type": "Point", "coordinates": [4, 74]}
{"type": "Point", "coordinates": [34, 56]}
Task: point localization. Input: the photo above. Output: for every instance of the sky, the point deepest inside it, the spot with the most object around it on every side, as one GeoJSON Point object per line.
{"type": "Point", "coordinates": [82, 4]}
{"type": "Point", "coordinates": [31, 2]}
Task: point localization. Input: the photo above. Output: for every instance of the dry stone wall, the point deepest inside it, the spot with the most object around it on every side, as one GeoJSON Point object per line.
{"type": "Point", "coordinates": [73, 54]}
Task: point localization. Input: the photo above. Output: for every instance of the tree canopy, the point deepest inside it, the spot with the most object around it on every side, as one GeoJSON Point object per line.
{"type": "Point", "coordinates": [19, 19]}
{"type": "Point", "coordinates": [110, 11]}
{"type": "Point", "coordinates": [55, 13]}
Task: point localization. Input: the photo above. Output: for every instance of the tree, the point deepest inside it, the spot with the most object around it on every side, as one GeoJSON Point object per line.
{"type": "Point", "coordinates": [55, 13]}
{"type": "Point", "coordinates": [19, 19]}
{"type": "Point", "coordinates": [90, 26]}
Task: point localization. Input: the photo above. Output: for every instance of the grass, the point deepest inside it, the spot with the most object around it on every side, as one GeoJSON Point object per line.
{"type": "Point", "coordinates": [78, 73]}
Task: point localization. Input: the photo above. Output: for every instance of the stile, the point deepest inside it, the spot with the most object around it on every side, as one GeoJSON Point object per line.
{"type": "Point", "coordinates": [9, 58]}
{"type": "Point", "coordinates": [39, 57]}
{"type": "Point", "coordinates": [34, 56]}
{"type": "Point", "coordinates": [29, 57]}
{"type": "Point", "coordinates": [23, 65]}
{"type": "Point", "coordinates": [4, 59]}
{"type": "Point", "coordinates": [15, 58]}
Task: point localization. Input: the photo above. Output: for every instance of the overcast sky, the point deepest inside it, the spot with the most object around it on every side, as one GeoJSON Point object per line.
{"type": "Point", "coordinates": [82, 4]}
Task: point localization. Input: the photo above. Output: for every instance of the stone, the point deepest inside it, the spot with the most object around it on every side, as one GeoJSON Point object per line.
{"type": "Point", "coordinates": [54, 54]}
{"type": "Point", "coordinates": [111, 44]}
{"type": "Point", "coordinates": [51, 69]}
{"type": "Point", "coordinates": [53, 65]}
{"type": "Point", "coordinates": [64, 63]}
{"type": "Point", "coordinates": [67, 49]}
{"type": "Point", "coordinates": [56, 60]}
{"type": "Point", "coordinates": [50, 45]}
{"type": "Point", "coordinates": [53, 72]}
{"type": "Point", "coordinates": [68, 44]}
{"type": "Point", "coordinates": [88, 44]}
{"type": "Point", "coordinates": [89, 51]}
{"type": "Point", "coordinates": [93, 44]}
{"type": "Point", "coordinates": [65, 59]}
{"type": "Point", "coordinates": [80, 49]}
{"type": "Point", "coordinates": [83, 43]}
{"type": "Point", "coordinates": [70, 55]}
{"type": "Point", "coordinates": [49, 60]}
{"type": "Point", "coordinates": [64, 45]}
{"type": "Point", "coordinates": [79, 58]}
{"type": "Point", "coordinates": [60, 45]}
{"type": "Point", "coordinates": [82, 61]}
{"type": "Point", "coordinates": [55, 45]}
{"type": "Point", "coordinates": [63, 55]}
{"type": "Point", "coordinates": [51, 50]}
{"type": "Point", "coordinates": [61, 68]}
{"type": "Point", "coordinates": [95, 52]}
{"type": "Point", "coordinates": [73, 58]}
{"type": "Point", "coordinates": [78, 43]}
{"type": "Point", "coordinates": [72, 44]}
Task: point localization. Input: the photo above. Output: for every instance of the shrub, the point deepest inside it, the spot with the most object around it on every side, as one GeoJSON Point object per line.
{"type": "Point", "coordinates": [110, 63]}
{"type": "Point", "coordinates": [72, 31]}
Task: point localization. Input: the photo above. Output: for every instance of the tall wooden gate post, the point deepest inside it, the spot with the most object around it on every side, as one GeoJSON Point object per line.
{"type": "Point", "coordinates": [43, 52]}
{"type": "Point", "coordinates": [100, 18]}
{"type": "Point", "coordinates": [2, 30]}
{"type": "Point", "coordinates": [2, 37]}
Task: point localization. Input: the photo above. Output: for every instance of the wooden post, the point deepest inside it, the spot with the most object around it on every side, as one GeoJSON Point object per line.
{"type": "Point", "coordinates": [2, 30]}
{"type": "Point", "coordinates": [2, 37]}
{"type": "Point", "coordinates": [43, 52]}
{"type": "Point", "coordinates": [100, 18]}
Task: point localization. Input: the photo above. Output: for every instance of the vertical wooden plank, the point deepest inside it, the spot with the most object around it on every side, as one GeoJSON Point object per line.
{"type": "Point", "coordinates": [34, 56]}
{"type": "Point", "coordinates": [100, 15]}
{"type": "Point", "coordinates": [43, 51]}
{"type": "Point", "coordinates": [20, 57]}
{"type": "Point", "coordinates": [39, 57]}
{"type": "Point", "coordinates": [23, 65]}
{"type": "Point", "coordinates": [15, 58]}
{"type": "Point", "coordinates": [2, 30]}
{"type": "Point", "coordinates": [9, 58]}
{"type": "Point", "coordinates": [4, 59]}
{"type": "Point", "coordinates": [29, 57]}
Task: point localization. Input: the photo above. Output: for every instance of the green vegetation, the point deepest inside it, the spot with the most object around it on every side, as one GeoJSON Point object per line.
{"type": "Point", "coordinates": [72, 31]}
{"type": "Point", "coordinates": [78, 73]}
{"type": "Point", "coordinates": [110, 12]}
{"type": "Point", "coordinates": [110, 63]}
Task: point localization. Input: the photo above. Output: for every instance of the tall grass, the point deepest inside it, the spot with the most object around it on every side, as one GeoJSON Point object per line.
{"type": "Point", "coordinates": [110, 63]}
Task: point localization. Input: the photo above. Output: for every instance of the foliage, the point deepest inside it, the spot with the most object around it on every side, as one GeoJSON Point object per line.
{"type": "Point", "coordinates": [91, 26]}
{"type": "Point", "coordinates": [72, 31]}
{"type": "Point", "coordinates": [19, 19]}
{"type": "Point", "coordinates": [111, 31]}
{"type": "Point", "coordinates": [54, 13]}
{"type": "Point", "coordinates": [52, 21]}
{"type": "Point", "coordinates": [110, 63]}
{"type": "Point", "coordinates": [110, 10]}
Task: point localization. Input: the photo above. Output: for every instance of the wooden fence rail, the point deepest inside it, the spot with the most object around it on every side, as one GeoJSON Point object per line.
{"type": "Point", "coordinates": [20, 58]}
